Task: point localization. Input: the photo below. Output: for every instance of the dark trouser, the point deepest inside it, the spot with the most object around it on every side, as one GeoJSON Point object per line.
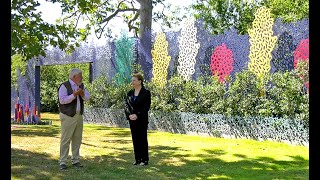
{"type": "Point", "coordinates": [140, 140]}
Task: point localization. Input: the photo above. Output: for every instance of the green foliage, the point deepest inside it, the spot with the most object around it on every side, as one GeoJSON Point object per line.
{"type": "Point", "coordinates": [188, 96]}
{"type": "Point", "coordinates": [211, 95]}
{"type": "Point", "coordinates": [161, 99]}
{"type": "Point", "coordinates": [302, 69]}
{"type": "Point", "coordinates": [99, 92]}
{"type": "Point", "coordinates": [107, 94]}
{"type": "Point", "coordinates": [243, 95]}
{"type": "Point", "coordinates": [201, 96]}
{"type": "Point", "coordinates": [30, 35]}
{"type": "Point", "coordinates": [287, 97]}
{"type": "Point", "coordinates": [278, 95]}
{"type": "Point", "coordinates": [137, 68]}
{"type": "Point", "coordinates": [288, 10]}
{"type": "Point", "coordinates": [220, 15]}
{"type": "Point", "coordinates": [117, 94]}
{"type": "Point", "coordinates": [17, 62]}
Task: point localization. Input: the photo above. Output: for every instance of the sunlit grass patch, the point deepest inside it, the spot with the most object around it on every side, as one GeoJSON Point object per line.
{"type": "Point", "coordinates": [107, 153]}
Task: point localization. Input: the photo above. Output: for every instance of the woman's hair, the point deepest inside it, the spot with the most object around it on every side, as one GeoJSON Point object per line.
{"type": "Point", "coordinates": [139, 77]}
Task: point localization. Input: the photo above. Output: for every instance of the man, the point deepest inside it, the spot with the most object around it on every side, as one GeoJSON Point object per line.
{"type": "Point", "coordinates": [72, 94]}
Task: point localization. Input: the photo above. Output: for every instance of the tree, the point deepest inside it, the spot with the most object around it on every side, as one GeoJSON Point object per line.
{"type": "Point", "coordinates": [220, 15]}
{"type": "Point", "coordinates": [288, 10]}
{"type": "Point", "coordinates": [137, 14]}
{"type": "Point", "coordinates": [30, 35]}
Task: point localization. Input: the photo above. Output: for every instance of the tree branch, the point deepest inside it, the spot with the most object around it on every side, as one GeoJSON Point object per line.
{"type": "Point", "coordinates": [112, 16]}
{"type": "Point", "coordinates": [133, 19]}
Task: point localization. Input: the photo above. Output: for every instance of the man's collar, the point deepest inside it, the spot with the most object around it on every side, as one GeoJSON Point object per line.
{"type": "Point", "coordinates": [72, 82]}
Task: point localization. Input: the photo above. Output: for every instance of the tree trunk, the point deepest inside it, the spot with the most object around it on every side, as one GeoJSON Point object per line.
{"type": "Point", "coordinates": [145, 36]}
{"type": "Point", "coordinates": [145, 16]}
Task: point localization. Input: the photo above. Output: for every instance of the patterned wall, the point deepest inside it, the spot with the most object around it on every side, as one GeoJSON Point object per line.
{"type": "Point", "coordinates": [188, 49]}
{"type": "Point", "coordinates": [262, 42]}
{"type": "Point", "coordinates": [270, 46]}
{"type": "Point", "coordinates": [216, 125]}
{"type": "Point", "coordinates": [161, 60]}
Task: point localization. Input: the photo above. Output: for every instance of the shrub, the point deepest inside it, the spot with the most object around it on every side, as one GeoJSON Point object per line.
{"type": "Point", "coordinates": [243, 95]}
{"type": "Point", "coordinates": [287, 97]}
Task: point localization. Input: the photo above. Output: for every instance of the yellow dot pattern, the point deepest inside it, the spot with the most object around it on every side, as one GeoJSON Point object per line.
{"type": "Point", "coordinates": [161, 60]}
{"type": "Point", "coordinates": [261, 42]}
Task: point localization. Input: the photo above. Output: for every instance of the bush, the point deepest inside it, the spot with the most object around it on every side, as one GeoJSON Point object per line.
{"type": "Point", "coordinates": [107, 94]}
{"type": "Point", "coordinates": [278, 95]}
{"type": "Point", "coordinates": [243, 94]}
{"type": "Point", "coordinates": [287, 97]}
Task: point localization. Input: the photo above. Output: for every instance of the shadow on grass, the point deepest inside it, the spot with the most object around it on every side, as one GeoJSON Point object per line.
{"type": "Point", "coordinates": [166, 162]}
{"type": "Point", "coordinates": [53, 130]}
{"type": "Point", "coordinates": [36, 130]}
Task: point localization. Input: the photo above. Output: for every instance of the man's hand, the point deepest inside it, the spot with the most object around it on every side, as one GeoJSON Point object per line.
{"type": "Point", "coordinates": [81, 93]}
{"type": "Point", "coordinates": [78, 92]}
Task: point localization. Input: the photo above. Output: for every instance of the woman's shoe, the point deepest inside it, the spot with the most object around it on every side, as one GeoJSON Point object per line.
{"type": "Point", "coordinates": [143, 163]}
{"type": "Point", "coordinates": [136, 162]}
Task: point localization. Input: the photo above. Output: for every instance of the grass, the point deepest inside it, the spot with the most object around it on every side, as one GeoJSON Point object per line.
{"type": "Point", "coordinates": [107, 154]}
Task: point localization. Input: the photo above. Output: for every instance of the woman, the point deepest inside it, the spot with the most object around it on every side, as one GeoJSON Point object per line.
{"type": "Point", "coordinates": [137, 105]}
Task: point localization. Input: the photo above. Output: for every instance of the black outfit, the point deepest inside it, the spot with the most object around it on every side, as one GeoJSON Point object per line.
{"type": "Point", "coordinates": [139, 105]}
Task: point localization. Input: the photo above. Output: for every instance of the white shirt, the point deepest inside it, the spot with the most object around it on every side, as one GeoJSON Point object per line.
{"type": "Point", "coordinates": [64, 98]}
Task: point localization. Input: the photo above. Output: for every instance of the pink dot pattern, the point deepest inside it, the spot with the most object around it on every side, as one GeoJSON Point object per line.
{"type": "Point", "coordinates": [221, 62]}
{"type": "Point", "coordinates": [302, 52]}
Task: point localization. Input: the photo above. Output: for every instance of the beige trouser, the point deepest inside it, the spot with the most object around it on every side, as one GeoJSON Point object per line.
{"type": "Point", "coordinates": [71, 131]}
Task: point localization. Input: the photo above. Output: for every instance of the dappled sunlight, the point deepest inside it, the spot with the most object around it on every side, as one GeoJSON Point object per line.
{"type": "Point", "coordinates": [107, 153]}
{"type": "Point", "coordinates": [172, 162]}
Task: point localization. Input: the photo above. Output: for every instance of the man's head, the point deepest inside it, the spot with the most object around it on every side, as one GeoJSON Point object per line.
{"type": "Point", "coordinates": [76, 75]}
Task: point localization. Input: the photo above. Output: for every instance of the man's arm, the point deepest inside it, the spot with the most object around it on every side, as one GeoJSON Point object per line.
{"type": "Point", "coordinates": [64, 98]}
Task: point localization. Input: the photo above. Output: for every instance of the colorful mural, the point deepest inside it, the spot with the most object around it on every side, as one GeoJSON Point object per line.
{"type": "Point", "coordinates": [160, 59]}
{"type": "Point", "coordinates": [221, 62]}
{"type": "Point", "coordinates": [262, 42]}
{"type": "Point", "coordinates": [188, 46]}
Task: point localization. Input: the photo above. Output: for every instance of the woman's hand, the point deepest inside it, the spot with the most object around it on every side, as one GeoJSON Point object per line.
{"type": "Point", "coordinates": [133, 117]}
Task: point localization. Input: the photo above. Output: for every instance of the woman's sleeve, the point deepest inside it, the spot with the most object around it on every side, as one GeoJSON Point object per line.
{"type": "Point", "coordinates": [127, 110]}
{"type": "Point", "coordinates": [146, 105]}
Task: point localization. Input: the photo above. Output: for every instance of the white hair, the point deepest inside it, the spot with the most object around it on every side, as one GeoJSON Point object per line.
{"type": "Point", "coordinates": [74, 71]}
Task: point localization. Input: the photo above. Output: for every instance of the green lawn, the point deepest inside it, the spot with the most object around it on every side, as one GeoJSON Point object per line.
{"type": "Point", "coordinates": [107, 154]}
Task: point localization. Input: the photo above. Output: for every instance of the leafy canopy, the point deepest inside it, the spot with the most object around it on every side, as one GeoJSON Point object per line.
{"type": "Point", "coordinates": [31, 35]}
{"type": "Point", "coordinates": [220, 15]}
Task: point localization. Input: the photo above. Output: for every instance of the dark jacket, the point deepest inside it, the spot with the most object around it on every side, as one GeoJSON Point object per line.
{"type": "Point", "coordinates": [140, 106]}
{"type": "Point", "coordinates": [70, 109]}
